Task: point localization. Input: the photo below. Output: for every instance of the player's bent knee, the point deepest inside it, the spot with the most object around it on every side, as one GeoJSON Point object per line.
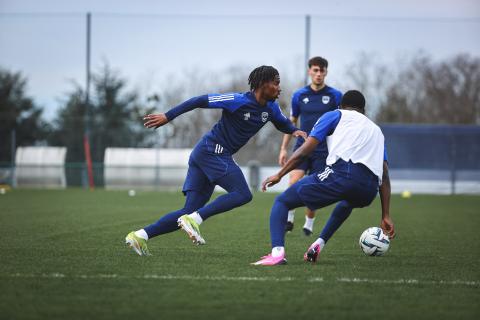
{"type": "Point", "coordinates": [247, 197]}
{"type": "Point", "coordinates": [295, 179]}
{"type": "Point", "coordinates": [281, 198]}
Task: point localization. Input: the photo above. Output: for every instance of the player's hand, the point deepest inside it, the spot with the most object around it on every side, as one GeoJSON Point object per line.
{"type": "Point", "coordinates": [155, 120]}
{"type": "Point", "coordinates": [282, 157]}
{"type": "Point", "coordinates": [270, 181]}
{"type": "Point", "coordinates": [388, 227]}
{"type": "Point", "coordinates": [300, 133]}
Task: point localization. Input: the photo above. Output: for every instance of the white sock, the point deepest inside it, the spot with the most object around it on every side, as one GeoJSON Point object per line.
{"type": "Point", "coordinates": [141, 234]}
{"type": "Point", "coordinates": [291, 215]}
{"type": "Point", "coordinates": [278, 252]}
{"type": "Point", "coordinates": [321, 242]}
{"type": "Point", "coordinates": [309, 223]}
{"type": "Point", "coordinates": [195, 216]}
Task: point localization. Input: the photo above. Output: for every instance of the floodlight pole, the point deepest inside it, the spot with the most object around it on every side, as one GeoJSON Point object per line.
{"type": "Point", "coordinates": [307, 46]}
{"type": "Point", "coordinates": [86, 137]}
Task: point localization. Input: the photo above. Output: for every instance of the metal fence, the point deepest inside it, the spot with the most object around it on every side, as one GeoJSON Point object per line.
{"type": "Point", "coordinates": [422, 158]}
{"type": "Point", "coordinates": [443, 157]}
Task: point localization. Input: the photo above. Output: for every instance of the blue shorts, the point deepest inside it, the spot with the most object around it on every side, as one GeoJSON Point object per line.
{"type": "Point", "coordinates": [348, 181]}
{"type": "Point", "coordinates": [314, 162]}
{"type": "Point", "coordinates": [208, 162]}
{"type": "Point", "coordinates": [312, 165]}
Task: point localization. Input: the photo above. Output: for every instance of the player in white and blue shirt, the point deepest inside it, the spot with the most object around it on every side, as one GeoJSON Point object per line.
{"type": "Point", "coordinates": [356, 170]}
{"type": "Point", "coordinates": [309, 104]}
{"type": "Point", "coordinates": [211, 162]}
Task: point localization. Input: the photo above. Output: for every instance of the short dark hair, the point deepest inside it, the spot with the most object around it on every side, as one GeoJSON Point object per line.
{"type": "Point", "coordinates": [353, 99]}
{"type": "Point", "coordinates": [261, 75]}
{"type": "Point", "coordinates": [318, 61]}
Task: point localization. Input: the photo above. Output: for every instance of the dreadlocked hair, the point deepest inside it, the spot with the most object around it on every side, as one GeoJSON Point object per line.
{"type": "Point", "coordinates": [261, 75]}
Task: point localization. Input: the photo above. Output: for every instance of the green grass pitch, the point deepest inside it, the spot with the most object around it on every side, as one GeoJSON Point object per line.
{"type": "Point", "coordinates": [63, 257]}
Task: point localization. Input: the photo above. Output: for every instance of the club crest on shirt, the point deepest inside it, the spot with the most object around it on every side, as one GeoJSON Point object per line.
{"type": "Point", "coordinates": [325, 99]}
{"type": "Point", "coordinates": [305, 100]}
{"type": "Point", "coordinates": [264, 116]}
{"type": "Point", "coordinates": [246, 116]}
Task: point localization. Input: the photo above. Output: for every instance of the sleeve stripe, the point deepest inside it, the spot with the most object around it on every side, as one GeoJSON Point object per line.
{"type": "Point", "coordinates": [221, 98]}
{"type": "Point", "coordinates": [222, 95]}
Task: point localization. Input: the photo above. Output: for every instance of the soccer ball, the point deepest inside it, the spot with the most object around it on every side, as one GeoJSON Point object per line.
{"type": "Point", "coordinates": [374, 242]}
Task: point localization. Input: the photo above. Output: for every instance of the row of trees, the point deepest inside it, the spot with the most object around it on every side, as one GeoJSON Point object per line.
{"type": "Point", "coordinates": [18, 112]}
{"type": "Point", "coordinates": [114, 119]}
{"type": "Point", "coordinates": [418, 90]}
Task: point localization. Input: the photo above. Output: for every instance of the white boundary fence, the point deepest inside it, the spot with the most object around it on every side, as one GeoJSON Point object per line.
{"type": "Point", "coordinates": [145, 167]}
{"type": "Point", "coordinates": [40, 167]}
{"type": "Point", "coordinates": [167, 168]}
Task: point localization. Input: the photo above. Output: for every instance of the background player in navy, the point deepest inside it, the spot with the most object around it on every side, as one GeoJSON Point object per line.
{"type": "Point", "coordinates": [211, 162]}
{"type": "Point", "coordinates": [356, 167]}
{"type": "Point", "coordinates": [309, 103]}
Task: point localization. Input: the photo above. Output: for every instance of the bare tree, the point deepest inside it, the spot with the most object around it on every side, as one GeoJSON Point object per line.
{"type": "Point", "coordinates": [422, 90]}
{"type": "Point", "coordinates": [370, 76]}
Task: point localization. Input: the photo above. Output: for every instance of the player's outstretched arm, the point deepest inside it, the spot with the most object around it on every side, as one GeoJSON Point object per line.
{"type": "Point", "coordinates": [158, 120]}
{"type": "Point", "coordinates": [300, 133]}
{"type": "Point", "coordinates": [385, 191]}
{"type": "Point", "coordinates": [283, 155]}
{"type": "Point", "coordinates": [285, 125]}
{"type": "Point", "coordinates": [297, 157]}
{"type": "Point", "coordinates": [155, 120]}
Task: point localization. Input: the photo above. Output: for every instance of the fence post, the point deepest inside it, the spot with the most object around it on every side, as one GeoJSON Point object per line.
{"type": "Point", "coordinates": [13, 180]}
{"type": "Point", "coordinates": [254, 174]}
{"type": "Point", "coordinates": [453, 165]}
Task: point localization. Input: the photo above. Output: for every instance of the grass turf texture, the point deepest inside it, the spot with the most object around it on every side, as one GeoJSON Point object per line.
{"type": "Point", "coordinates": [63, 256]}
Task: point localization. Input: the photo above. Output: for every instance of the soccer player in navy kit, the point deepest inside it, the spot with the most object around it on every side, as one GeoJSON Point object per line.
{"type": "Point", "coordinates": [356, 170]}
{"type": "Point", "coordinates": [211, 162]}
{"type": "Point", "coordinates": [309, 103]}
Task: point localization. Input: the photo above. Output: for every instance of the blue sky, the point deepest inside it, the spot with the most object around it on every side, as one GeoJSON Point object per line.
{"type": "Point", "coordinates": [149, 40]}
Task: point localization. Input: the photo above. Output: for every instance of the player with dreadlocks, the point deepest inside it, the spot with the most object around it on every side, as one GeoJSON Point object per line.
{"type": "Point", "coordinates": [211, 161]}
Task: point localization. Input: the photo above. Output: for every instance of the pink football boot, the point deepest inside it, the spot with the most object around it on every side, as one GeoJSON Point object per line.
{"type": "Point", "coordinates": [269, 260]}
{"type": "Point", "coordinates": [312, 253]}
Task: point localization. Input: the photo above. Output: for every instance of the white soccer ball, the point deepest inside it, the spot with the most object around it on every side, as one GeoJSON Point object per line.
{"type": "Point", "coordinates": [374, 242]}
{"type": "Point", "coordinates": [131, 193]}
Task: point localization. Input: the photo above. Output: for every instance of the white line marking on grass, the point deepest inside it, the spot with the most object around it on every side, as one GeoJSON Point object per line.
{"type": "Point", "coordinates": [409, 281]}
{"type": "Point", "coordinates": [97, 276]}
{"type": "Point", "coordinates": [58, 275]}
{"type": "Point", "coordinates": [148, 276]}
{"type": "Point", "coordinates": [214, 278]}
{"type": "Point", "coordinates": [358, 280]}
